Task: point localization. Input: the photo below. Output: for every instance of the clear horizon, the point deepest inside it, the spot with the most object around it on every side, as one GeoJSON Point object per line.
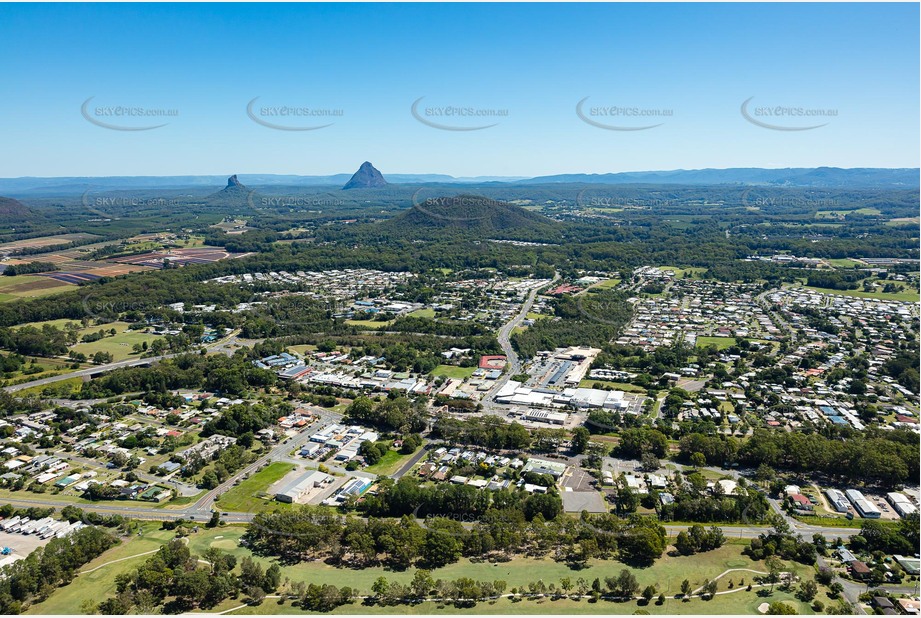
{"type": "Point", "coordinates": [464, 90]}
{"type": "Point", "coordinates": [402, 173]}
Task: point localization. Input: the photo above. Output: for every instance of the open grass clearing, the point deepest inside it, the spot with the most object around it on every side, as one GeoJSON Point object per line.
{"type": "Point", "coordinates": [245, 496]}
{"type": "Point", "coordinates": [120, 345]}
{"type": "Point", "coordinates": [100, 583]}
{"type": "Point", "coordinates": [606, 284]}
{"type": "Point", "coordinates": [907, 296]}
{"type": "Point", "coordinates": [422, 313]}
{"type": "Point", "coordinates": [824, 214]}
{"type": "Point", "coordinates": [369, 324]}
{"type": "Point", "coordinates": [690, 271]}
{"type": "Point", "coordinates": [60, 386]}
{"type": "Point", "coordinates": [389, 463]}
{"type": "Point", "coordinates": [452, 371]}
{"type": "Point", "coordinates": [620, 386]}
{"type": "Point", "coordinates": [721, 343]}
{"type": "Point", "coordinates": [667, 574]}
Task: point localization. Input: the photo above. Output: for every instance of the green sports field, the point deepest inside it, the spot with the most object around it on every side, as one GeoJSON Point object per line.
{"type": "Point", "coordinates": [452, 371]}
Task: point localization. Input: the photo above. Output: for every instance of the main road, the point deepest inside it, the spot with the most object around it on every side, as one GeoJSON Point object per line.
{"type": "Point", "coordinates": [513, 364]}
{"type": "Point", "coordinates": [222, 345]}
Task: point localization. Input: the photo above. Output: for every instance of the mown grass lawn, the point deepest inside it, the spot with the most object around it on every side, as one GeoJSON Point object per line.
{"type": "Point", "coordinates": [100, 584]}
{"type": "Point", "coordinates": [452, 371]}
{"type": "Point", "coordinates": [741, 602]}
{"type": "Point", "coordinates": [427, 312]}
{"type": "Point", "coordinates": [721, 343]}
{"type": "Point", "coordinates": [666, 574]}
{"type": "Point", "coordinates": [244, 497]}
{"type": "Point", "coordinates": [388, 464]}
{"type": "Point", "coordinates": [621, 386]}
{"type": "Point", "coordinates": [607, 283]}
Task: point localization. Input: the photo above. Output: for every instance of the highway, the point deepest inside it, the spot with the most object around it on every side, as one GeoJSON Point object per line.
{"type": "Point", "coordinates": [224, 346]}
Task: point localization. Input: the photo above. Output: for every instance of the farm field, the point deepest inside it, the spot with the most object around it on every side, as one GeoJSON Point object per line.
{"type": "Point", "coordinates": [823, 214]}
{"type": "Point", "coordinates": [45, 241]}
{"type": "Point", "coordinates": [29, 286]}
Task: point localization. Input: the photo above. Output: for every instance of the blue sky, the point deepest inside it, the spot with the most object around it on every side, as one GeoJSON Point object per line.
{"type": "Point", "coordinates": [694, 65]}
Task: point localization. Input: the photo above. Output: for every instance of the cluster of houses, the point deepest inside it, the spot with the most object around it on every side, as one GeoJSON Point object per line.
{"type": "Point", "coordinates": [345, 283]}
{"type": "Point", "coordinates": [207, 448]}
{"type": "Point", "coordinates": [444, 461]}
{"type": "Point", "coordinates": [861, 571]}
{"type": "Point", "coordinates": [41, 468]}
{"type": "Point", "coordinates": [695, 308]}
{"type": "Point", "coordinates": [52, 471]}
{"type": "Point", "coordinates": [494, 300]}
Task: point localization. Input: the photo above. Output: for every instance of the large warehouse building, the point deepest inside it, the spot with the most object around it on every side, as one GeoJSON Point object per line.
{"type": "Point", "coordinates": [298, 489]}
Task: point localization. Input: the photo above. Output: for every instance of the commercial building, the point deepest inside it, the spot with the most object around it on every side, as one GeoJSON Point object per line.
{"type": "Point", "coordinates": [837, 500]}
{"type": "Point", "coordinates": [542, 416]}
{"type": "Point", "coordinates": [298, 489]}
{"type": "Point", "coordinates": [866, 508]}
{"type": "Point", "coordinates": [901, 503]}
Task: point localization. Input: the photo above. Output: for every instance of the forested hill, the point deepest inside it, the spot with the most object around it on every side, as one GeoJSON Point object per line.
{"type": "Point", "coordinates": [471, 216]}
{"type": "Point", "coordinates": [13, 212]}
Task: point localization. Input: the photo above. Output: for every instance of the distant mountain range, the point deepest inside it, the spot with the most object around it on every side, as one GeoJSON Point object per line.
{"type": "Point", "coordinates": [820, 177]}
{"type": "Point", "coordinates": [825, 177]}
